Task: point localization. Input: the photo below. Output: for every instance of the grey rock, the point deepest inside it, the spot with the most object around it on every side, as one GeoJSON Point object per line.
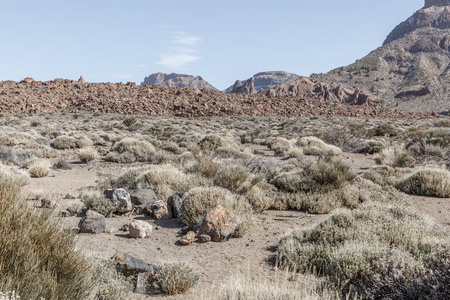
{"type": "Point", "coordinates": [203, 238]}
{"type": "Point", "coordinates": [143, 196]}
{"type": "Point", "coordinates": [174, 203]}
{"type": "Point", "coordinates": [93, 222]}
{"type": "Point", "coordinates": [142, 209]}
{"type": "Point", "coordinates": [132, 266]}
{"type": "Point", "coordinates": [121, 198]}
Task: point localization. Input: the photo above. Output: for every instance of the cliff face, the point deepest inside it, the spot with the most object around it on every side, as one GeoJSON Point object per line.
{"type": "Point", "coordinates": [435, 14]}
{"type": "Point", "coordinates": [178, 80]}
{"type": "Point", "coordinates": [265, 80]}
{"type": "Point", "coordinates": [411, 71]}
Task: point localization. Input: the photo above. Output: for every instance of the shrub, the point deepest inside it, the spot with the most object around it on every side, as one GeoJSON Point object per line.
{"type": "Point", "coordinates": [96, 201]}
{"type": "Point", "coordinates": [111, 285]}
{"type": "Point", "coordinates": [426, 182]}
{"type": "Point", "coordinates": [314, 146]}
{"type": "Point", "coordinates": [130, 150]}
{"type": "Point", "coordinates": [35, 245]}
{"type": "Point", "coordinates": [199, 200]}
{"type": "Point", "coordinates": [327, 174]}
{"type": "Point", "coordinates": [177, 278]}
{"type": "Point", "coordinates": [39, 168]}
{"type": "Point", "coordinates": [8, 141]}
{"type": "Point", "coordinates": [21, 177]}
{"type": "Point", "coordinates": [356, 249]}
{"type": "Point", "coordinates": [87, 155]}
{"type": "Point", "coordinates": [63, 142]}
{"type": "Point", "coordinates": [83, 142]}
{"type": "Point", "coordinates": [62, 164]}
{"type": "Point", "coordinates": [231, 177]}
{"type": "Point", "coordinates": [280, 146]}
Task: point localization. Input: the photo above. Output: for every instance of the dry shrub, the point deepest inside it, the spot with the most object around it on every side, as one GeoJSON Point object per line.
{"type": "Point", "coordinates": [232, 177]}
{"type": "Point", "coordinates": [87, 155]}
{"type": "Point", "coordinates": [177, 278]}
{"type": "Point", "coordinates": [96, 200]}
{"type": "Point", "coordinates": [83, 142]}
{"type": "Point", "coordinates": [8, 141]}
{"type": "Point", "coordinates": [39, 168]}
{"type": "Point", "coordinates": [386, 175]}
{"type": "Point", "coordinates": [130, 150]}
{"type": "Point", "coordinates": [426, 182]}
{"type": "Point", "coordinates": [35, 246]}
{"type": "Point", "coordinates": [395, 156]}
{"type": "Point", "coordinates": [112, 285]}
{"type": "Point", "coordinates": [199, 200]}
{"type": "Point", "coordinates": [280, 146]}
{"type": "Point", "coordinates": [21, 177]}
{"type": "Point", "coordinates": [38, 150]}
{"type": "Point", "coordinates": [171, 147]}
{"type": "Point", "coordinates": [64, 142]}
{"type": "Point", "coordinates": [312, 145]}
{"type": "Point", "coordinates": [245, 287]}
{"type": "Point", "coordinates": [327, 174]}
{"type": "Point", "coordinates": [364, 249]}
{"type": "Point", "coordinates": [232, 152]}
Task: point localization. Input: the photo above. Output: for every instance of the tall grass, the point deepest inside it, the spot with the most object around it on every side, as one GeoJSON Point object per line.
{"type": "Point", "coordinates": [37, 257]}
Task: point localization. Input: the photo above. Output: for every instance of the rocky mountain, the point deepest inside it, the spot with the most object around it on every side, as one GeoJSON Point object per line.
{"type": "Point", "coordinates": [178, 80]}
{"type": "Point", "coordinates": [59, 95]}
{"type": "Point", "coordinates": [304, 88]}
{"type": "Point", "coordinates": [411, 71]}
{"type": "Point", "coordinates": [263, 81]}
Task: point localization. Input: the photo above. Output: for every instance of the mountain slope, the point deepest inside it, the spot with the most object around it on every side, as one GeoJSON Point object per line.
{"type": "Point", "coordinates": [411, 71]}
{"type": "Point", "coordinates": [178, 80]}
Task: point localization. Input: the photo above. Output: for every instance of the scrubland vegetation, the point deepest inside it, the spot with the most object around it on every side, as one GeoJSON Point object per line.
{"type": "Point", "coordinates": [371, 246]}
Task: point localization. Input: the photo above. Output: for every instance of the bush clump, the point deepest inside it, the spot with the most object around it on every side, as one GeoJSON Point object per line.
{"type": "Point", "coordinates": [177, 278]}
{"type": "Point", "coordinates": [130, 150]}
{"type": "Point", "coordinates": [365, 249]}
{"type": "Point", "coordinates": [39, 168]}
{"type": "Point", "coordinates": [87, 155]}
{"type": "Point", "coordinates": [426, 182]}
{"type": "Point", "coordinates": [96, 201]}
{"type": "Point", "coordinates": [35, 245]}
{"type": "Point", "coordinates": [64, 142]}
{"type": "Point", "coordinates": [312, 145]}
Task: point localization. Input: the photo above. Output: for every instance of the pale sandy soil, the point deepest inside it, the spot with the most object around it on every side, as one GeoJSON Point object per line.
{"type": "Point", "coordinates": [253, 254]}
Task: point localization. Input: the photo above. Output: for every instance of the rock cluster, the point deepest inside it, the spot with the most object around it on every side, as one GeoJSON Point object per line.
{"type": "Point", "coordinates": [71, 96]}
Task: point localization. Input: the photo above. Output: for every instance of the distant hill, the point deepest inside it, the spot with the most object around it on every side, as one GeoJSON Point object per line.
{"type": "Point", "coordinates": [411, 71]}
{"type": "Point", "coordinates": [264, 80]}
{"type": "Point", "coordinates": [178, 80]}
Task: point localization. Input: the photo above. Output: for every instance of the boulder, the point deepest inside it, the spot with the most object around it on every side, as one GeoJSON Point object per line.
{"type": "Point", "coordinates": [188, 239]}
{"type": "Point", "coordinates": [203, 238]}
{"type": "Point", "coordinates": [219, 223]}
{"type": "Point", "coordinates": [140, 229]}
{"type": "Point", "coordinates": [93, 222]}
{"type": "Point", "coordinates": [121, 198]}
{"type": "Point", "coordinates": [143, 196]}
{"type": "Point", "coordinates": [174, 203]}
{"type": "Point", "coordinates": [142, 209]}
{"type": "Point", "coordinates": [132, 266]}
{"type": "Point", "coordinates": [161, 210]}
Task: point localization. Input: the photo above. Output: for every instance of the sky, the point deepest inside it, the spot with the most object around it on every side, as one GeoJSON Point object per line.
{"type": "Point", "coordinates": [222, 41]}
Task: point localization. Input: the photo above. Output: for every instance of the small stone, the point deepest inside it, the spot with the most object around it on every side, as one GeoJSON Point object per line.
{"type": "Point", "coordinates": [161, 210]}
{"type": "Point", "coordinates": [65, 214]}
{"type": "Point", "coordinates": [140, 229]}
{"type": "Point", "coordinates": [45, 203]}
{"type": "Point", "coordinates": [124, 227]}
{"type": "Point", "coordinates": [204, 238]}
{"type": "Point", "coordinates": [188, 239]}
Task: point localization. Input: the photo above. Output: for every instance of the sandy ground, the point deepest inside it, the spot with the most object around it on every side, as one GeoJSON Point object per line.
{"type": "Point", "coordinates": [253, 254]}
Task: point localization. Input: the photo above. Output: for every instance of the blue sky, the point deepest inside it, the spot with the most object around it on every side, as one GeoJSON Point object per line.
{"type": "Point", "coordinates": [126, 40]}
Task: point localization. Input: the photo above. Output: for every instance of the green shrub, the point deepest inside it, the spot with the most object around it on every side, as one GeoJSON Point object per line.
{"type": "Point", "coordinates": [177, 278]}
{"type": "Point", "coordinates": [35, 246]}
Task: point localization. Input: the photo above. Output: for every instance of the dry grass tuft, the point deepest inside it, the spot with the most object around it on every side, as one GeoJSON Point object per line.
{"type": "Point", "coordinates": [177, 278]}
{"type": "Point", "coordinates": [39, 168]}
{"type": "Point", "coordinates": [130, 150]}
{"type": "Point", "coordinates": [312, 145]}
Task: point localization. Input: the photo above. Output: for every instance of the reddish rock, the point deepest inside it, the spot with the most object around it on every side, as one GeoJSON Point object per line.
{"type": "Point", "coordinates": [219, 223]}
{"type": "Point", "coordinates": [188, 239]}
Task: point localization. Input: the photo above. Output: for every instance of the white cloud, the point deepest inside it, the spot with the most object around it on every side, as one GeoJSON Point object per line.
{"type": "Point", "coordinates": [182, 53]}
{"type": "Point", "coordinates": [177, 60]}
{"type": "Point", "coordinates": [183, 38]}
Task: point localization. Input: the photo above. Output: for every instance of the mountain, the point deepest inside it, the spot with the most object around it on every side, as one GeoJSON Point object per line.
{"type": "Point", "coordinates": [263, 81]}
{"type": "Point", "coordinates": [411, 71]}
{"type": "Point", "coordinates": [178, 80]}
